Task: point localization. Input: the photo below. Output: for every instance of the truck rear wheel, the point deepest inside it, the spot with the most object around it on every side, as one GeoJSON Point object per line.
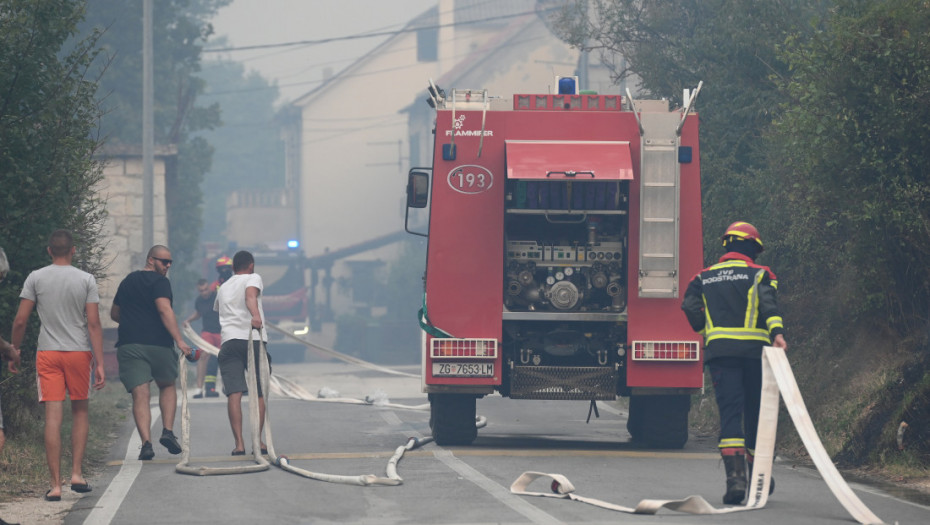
{"type": "Point", "coordinates": [659, 421]}
{"type": "Point", "coordinates": [452, 418]}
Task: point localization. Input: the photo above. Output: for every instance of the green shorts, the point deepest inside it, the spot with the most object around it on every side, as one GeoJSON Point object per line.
{"type": "Point", "coordinates": [139, 364]}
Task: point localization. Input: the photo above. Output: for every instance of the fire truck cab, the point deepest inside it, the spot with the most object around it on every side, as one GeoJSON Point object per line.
{"type": "Point", "coordinates": [562, 232]}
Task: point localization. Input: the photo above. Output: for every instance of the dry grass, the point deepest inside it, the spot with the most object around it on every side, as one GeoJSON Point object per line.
{"type": "Point", "coordinates": [841, 386]}
{"type": "Point", "coordinates": [23, 471]}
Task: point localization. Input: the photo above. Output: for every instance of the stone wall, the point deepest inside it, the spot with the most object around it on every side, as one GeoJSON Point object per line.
{"type": "Point", "coordinates": [122, 188]}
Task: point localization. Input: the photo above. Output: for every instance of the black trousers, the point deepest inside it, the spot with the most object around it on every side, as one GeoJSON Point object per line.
{"type": "Point", "coordinates": [738, 388]}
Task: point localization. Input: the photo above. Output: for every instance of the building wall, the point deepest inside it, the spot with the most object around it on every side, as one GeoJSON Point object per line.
{"type": "Point", "coordinates": [354, 136]}
{"type": "Point", "coordinates": [122, 188]}
{"type": "Point", "coordinates": [262, 218]}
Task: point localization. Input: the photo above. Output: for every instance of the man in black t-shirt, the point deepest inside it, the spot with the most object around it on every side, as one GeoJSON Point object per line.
{"type": "Point", "coordinates": [210, 332]}
{"type": "Point", "coordinates": [148, 331]}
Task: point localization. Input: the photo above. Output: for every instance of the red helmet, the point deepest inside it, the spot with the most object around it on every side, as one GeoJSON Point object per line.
{"type": "Point", "coordinates": [742, 230]}
{"type": "Point", "coordinates": [224, 261]}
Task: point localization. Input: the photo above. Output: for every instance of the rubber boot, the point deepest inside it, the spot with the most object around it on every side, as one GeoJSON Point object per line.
{"type": "Point", "coordinates": [209, 389]}
{"type": "Point", "coordinates": [736, 478]}
{"type": "Point", "coordinates": [750, 460]}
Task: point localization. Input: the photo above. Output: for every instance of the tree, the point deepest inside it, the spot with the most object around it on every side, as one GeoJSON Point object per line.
{"type": "Point", "coordinates": [48, 121]}
{"type": "Point", "coordinates": [249, 153]}
{"type": "Point", "coordinates": [180, 28]}
{"type": "Point", "coordinates": [730, 45]}
{"type": "Point", "coordinates": [814, 129]}
{"type": "Point", "coordinates": [851, 145]}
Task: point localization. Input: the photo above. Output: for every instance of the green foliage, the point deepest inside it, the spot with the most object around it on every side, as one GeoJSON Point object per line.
{"type": "Point", "coordinates": [48, 116]}
{"type": "Point", "coordinates": [249, 151]}
{"type": "Point", "coordinates": [185, 173]}
{"type": "Point", "coordinates": [814, 128]}
{"type": "Point", "coordinates": [180, 28]}
{"type": "Point", "coordinates": [852, 143]}
{"type": "Point", "coordinates": [730, 45]}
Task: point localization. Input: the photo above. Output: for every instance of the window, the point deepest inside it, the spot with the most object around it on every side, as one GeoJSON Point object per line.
{"type": "Point", "coordinates": [427, 45]}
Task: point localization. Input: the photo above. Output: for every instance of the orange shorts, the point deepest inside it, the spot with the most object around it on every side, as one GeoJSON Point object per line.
{"type": "Point", "coordinates": [58, 372]}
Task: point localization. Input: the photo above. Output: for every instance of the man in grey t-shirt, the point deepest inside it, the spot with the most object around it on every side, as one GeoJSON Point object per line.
{"type": "Point", "coordinates": [67, 301]}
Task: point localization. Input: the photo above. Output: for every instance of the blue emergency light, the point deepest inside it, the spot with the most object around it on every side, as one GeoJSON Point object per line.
{"type": "Point", "coordinates": [293, 243]}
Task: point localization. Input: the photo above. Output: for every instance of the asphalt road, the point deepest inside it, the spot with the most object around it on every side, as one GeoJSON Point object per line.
{"type": "Point", "coordinates": [458, 485]}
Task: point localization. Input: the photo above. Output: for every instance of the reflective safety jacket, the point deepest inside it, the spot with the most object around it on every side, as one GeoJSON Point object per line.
{"type": "Point", "coordinates": [734, 305]}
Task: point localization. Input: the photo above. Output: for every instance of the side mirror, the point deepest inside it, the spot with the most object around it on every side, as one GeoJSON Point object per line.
{"type": "Point", "coordinates": [417, 189]}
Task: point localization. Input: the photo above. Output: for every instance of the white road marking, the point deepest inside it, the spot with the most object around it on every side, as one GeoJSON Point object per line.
{"type": "Point", "coordinates": [112, 499]}
{"type": "Point", "coordinates": [497, 491]}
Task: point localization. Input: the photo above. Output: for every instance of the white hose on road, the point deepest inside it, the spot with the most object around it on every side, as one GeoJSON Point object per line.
{"type": "Point", "coordinates": [341, 356]}
{"type": "Point", "coordinates": [289, 389]}
{"type": "Point", "coordinates": [776, 376]}
{"type": "Point", "coordinates": [261, 463]}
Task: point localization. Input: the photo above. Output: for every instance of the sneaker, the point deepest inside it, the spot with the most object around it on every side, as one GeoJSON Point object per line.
{"type": "Point", "coordinates": [169, 441]}
{"type": "Point", "coordinates": [147, 452]}
{"type": "Point", "coordinates": [199, 395]}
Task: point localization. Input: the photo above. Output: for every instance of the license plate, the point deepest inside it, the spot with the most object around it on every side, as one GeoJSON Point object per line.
{"type": "Point", "coordinates": [463, 369]}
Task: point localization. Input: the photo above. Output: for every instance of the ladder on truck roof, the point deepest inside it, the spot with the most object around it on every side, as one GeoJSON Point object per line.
{"type": "Point", "coordinates": [659, 200]}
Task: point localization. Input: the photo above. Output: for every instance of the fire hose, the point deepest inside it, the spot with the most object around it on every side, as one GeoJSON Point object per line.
{"type": "Point", "coordinates": [777, 377]}
{"type": "Point", "coordinates": [261, 463]}
{"type": "Point", "coordinates": [288, 389]}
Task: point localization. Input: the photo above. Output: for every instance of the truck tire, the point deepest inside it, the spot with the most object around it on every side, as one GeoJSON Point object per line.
{"type": "Point", "coordinates": [452, 419]}
{"type": "Point", "coordinates": [659, 421]}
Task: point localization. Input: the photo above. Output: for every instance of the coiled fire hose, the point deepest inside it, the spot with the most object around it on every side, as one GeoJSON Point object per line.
{"type": "Point", "coordinates": [288, 389]}
{"type": "Point", "coordinates": [776, 377]}
{"type": "Point", "coordinates": [261, 463]}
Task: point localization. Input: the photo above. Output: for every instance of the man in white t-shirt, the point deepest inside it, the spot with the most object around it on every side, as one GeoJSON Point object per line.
{"type": "Point", "coordinates": [68, 305]}
{"type": "Point", "coordinates": [240, 306]}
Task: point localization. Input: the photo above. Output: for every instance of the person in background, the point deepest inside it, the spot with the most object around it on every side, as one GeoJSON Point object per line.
{"type": "Point", "coordinates": [239, 305]}
{"type": "Point", "coordinates": [11, 354]}
{"type": "Point", "coordinates": [68, 305]}
{"type": "Point", "coordinates": [148, 331]}
{"type": "Point", "coordinates": [7, 351]}
{"type": "Point", "coordinates": [734, 304]}
{"type": "Point", "coordinates": [224, 270]}
{"type": "Point", "coordinates": [210, 332]}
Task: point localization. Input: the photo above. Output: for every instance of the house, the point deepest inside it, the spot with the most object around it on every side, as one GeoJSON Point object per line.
{"type": "Point", "coordinates": [351, 141]}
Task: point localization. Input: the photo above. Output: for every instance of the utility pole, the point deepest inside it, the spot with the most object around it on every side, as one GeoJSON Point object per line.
{"type": "Point", "coordinates": [148, 132]}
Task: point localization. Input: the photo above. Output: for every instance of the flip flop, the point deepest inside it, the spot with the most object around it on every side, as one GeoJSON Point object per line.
{"type": "Point", "coordinates": [51, 498]}
{"type": "Point", "coordinates": [81, 487]}
{"type": "Point", "coordinates": [238, 453]}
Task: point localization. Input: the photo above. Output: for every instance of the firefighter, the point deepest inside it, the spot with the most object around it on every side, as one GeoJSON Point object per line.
{"type": "Point", "coordinates": [224, 270]}
{"type": "Point", "coordinates": [210, 332]}
{"type": "Point", "coordinates": [207, 369]}
{"type": "Point", "coordinates": [733, 304]}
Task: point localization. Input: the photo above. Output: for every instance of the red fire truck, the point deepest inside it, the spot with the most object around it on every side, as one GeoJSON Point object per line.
{"type": "Point", "coordinates": [562, 232]}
